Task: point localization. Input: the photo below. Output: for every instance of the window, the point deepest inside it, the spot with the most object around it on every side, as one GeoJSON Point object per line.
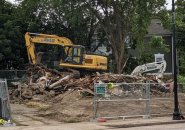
{"type": "Point", "coordinates": [75, 51]}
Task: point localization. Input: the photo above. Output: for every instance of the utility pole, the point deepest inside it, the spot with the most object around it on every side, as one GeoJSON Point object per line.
{"type": "Point", "coordinates": [176, 113]}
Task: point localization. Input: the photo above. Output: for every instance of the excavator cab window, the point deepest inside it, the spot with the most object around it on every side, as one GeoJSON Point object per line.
{"type": "Point", "coordinates": [74, 54]}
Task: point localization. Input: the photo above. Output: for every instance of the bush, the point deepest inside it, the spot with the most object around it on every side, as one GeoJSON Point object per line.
{"type": "Point", "coordinates": [181, 79]}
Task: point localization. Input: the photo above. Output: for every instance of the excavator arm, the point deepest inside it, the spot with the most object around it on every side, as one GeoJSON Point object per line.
{"type": "Point", "coordinates": [157, 67]}
{"type": "Point", "coordinates": [30, 49]}
{"type": "Point", "coordinates": [75, 54]}
{"type": "Point", "coordinates": [32, 38]}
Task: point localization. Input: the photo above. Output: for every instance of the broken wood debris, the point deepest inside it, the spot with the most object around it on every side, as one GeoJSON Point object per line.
{"type": "Point", "coordinates": [40, 80]}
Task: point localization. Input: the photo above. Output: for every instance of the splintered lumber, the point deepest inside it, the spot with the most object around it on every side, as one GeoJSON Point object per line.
{"type": "Point", "coordinates": [59, 81]}
{"type": "Point", "coordinates": [41, 81]}
{"type": "Point", "coordinates": [87, 90]}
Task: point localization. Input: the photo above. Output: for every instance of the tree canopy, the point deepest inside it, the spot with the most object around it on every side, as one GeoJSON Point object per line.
{"type": "Point", "coordinates": [117, 23]}
{"type": "Point", "coordinates": [180, 32]}
{"type": "Point", "coordinates": [124, 22]}
{"type": "Point", "coordinates": [11, 49]}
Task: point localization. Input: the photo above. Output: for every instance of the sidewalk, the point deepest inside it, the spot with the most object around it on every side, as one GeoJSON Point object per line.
{"type": "Point", "coordinates": [140, 122]}
{"type": "Point", "coordinates": [110, 124]}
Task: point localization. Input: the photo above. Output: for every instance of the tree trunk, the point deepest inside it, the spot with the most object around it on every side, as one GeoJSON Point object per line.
{"type": "Point", "coordinates": [119, 66]}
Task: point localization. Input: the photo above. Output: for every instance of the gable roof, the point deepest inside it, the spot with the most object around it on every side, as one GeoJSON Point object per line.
{"type": "Point", "coordinates": [156, 28]}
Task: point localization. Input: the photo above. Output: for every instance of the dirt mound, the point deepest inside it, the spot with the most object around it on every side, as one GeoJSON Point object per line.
{"type": "Point", "coordinates": [69, 107]}
{"type": "Point", "coordinates": [41, 83]}
{"type": "Point", "coordinates": [66, 98]}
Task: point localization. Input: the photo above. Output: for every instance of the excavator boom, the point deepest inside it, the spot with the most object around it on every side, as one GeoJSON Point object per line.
{"type": "Point", "coordinates": [75, 56]}
{"type": "Point", "coordinates": [157, 67]}
{"type": "Point", "coordinates": [33, 38]}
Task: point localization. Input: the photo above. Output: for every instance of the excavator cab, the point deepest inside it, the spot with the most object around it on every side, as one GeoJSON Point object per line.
{"type": "Point", "coordinates": [73, 54]}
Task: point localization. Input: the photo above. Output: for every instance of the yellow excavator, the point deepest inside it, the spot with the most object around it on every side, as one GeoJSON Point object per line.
{"type": "Point", "coordinates": [68, 56]}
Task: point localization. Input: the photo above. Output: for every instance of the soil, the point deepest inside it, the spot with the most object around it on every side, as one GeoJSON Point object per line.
{"type": "Point", "coordinates": [73, 107]}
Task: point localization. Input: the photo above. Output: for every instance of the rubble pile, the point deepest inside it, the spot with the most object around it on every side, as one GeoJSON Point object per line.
{"type": "Point", "coordinates": [42, 81]}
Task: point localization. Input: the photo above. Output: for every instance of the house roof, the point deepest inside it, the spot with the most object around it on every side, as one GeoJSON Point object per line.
{"type": "Point", "coordinates": [156, 28]}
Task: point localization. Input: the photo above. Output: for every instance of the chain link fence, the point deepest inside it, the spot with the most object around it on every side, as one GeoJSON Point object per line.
{"type": "Point", "coordinates": [12, 74]}
{"type": "Point", "coordinates": [4, 101]}
{"type": "Point", "coordinates": [122, 100]}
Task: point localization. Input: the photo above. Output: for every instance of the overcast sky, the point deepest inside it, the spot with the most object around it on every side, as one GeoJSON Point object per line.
{"type": "Point", "coordinates": [167, 1]}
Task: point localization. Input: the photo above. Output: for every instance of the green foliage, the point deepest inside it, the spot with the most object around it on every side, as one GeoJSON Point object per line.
{"type": "Point", "coordinates": [180, 48]}
{"type": "Point", "coordinates": [145, 12]}
{"type": "Point", "coordinates": [181, 79]}
{"type": "Point", "coordinates": [165, 17]}
{"type": "Point", "coordinates": [157, 45]}
{"type": "Point", "coordinates": [180, 31]}
{"type": "Point", "coordinates": [10, 34]}
{"type": "Point", "coordinates": [122, 19]}
{"type": "Point", "coordinates": [131, 64]}
{"type": "Point", "coordinates": [154, 46]}
{"type": "Point", "coordinates": [62, 17]}
{"type": "Point", "coordinates": [116, 20]}
{"type": "Point", "coordinates": [146, 58]}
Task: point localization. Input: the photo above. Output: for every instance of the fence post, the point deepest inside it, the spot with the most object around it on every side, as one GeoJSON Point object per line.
{"type": "Point", "coordinates": [8, 100]}
{"type": "Point", "coordinates": [16, 77]}
{"type": "Point", "coordinates": [147, 97]}
{"type": "Point", "coordinates": [94, 102]}
{"type": "Point", "coordinates": [5, 112]}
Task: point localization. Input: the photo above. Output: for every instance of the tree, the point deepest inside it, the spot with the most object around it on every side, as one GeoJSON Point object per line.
{"type": "Point", "coordinates": [61, 17]}
{"type": "Point", "coordinates": [155, 45]}
{"type": "Point", "coordinates": [123, 21]}
{"type": "Point", "coordinates": [66, 18]}
{"type": "Point", "coordinates": [10, 35]}
{"type": "Point", "coordinates": [180, 31]}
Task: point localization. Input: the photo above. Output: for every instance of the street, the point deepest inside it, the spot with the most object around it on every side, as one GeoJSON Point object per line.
{"type": "Point", "coordinates": [92, 126]}
{"type": "Point", "coordinates": [179, 126]}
